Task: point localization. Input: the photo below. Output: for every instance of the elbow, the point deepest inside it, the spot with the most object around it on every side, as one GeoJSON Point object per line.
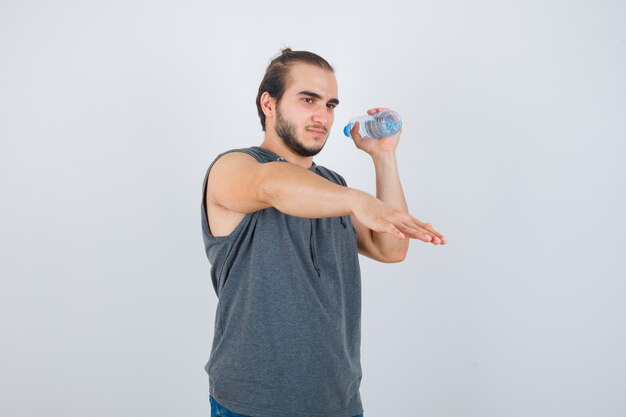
{"type": "Point", "coordinates": [399, 254]}
{"type": "Point", "coordinates": [398, 258]}
{"type": "Point", "coordinates": [395, 257]}
{"type": "Point", "coordinates": [393, 254]}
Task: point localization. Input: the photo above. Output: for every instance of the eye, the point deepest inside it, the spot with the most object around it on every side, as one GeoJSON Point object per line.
{"type": "Point", "coordinates": [331, 106]}
{"type": "Point", "coordinates": [308, 100]}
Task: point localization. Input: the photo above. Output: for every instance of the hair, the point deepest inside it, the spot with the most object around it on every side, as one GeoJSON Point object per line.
{"type": "Point", "coordinates": [276, 76]}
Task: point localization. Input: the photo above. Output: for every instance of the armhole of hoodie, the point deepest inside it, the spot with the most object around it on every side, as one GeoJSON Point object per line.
{"type": "Point", "coordinates": [329, 173]}
{"type": "Point", "coordinates": [246, 217]}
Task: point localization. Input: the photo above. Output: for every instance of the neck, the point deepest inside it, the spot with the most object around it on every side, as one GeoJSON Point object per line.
{"type": "Point", "coordinates": [276, 145]}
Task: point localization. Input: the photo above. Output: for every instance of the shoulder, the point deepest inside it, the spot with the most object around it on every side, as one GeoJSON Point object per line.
{"type": "Point", "coordinates": [233, 181]}
{"type": "Point", "coordinates": [237, 158]}
{"type": "Point", "coordinates": [231, 162]}
{"type": "Point", "coordinates": [238, 154]}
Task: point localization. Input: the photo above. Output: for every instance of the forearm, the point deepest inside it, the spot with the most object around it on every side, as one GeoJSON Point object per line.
{"type": "Point", "coordinates": [389, 190]}
{"type": "Point", "coordinates": [296, 191]}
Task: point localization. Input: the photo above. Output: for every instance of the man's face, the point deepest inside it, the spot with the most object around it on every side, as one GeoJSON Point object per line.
{"type": "Point", "coordinates": [305, 112]}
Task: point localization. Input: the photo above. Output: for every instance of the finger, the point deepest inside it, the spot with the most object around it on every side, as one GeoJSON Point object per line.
{"type": "Point", "coordinates": [434, 232]}
{"type": "Point", "coordinates": [420, 230]}
{"type": "Point", "coordinates": [354, 132]}
{"type": "Point", "coordinates": [424, 233]}
{"type": "Point", "coordinates": [436, 238]}
{"type": "Point", "coordinates": [439, 235]}
{"type": "Point", "coordinates": [395, 232]}
{"type": "Point", "coordinates": [376, 110]}
{"type": "Point", "coordinates": [419, 233]}
{"type": "Point", "coordinates": [429, 228]}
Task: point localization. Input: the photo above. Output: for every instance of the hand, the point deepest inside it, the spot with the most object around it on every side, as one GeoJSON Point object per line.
{"type": "Point", "coordinates": [380, 217]}
{"type": "Point", "coordinates": [374, 146]}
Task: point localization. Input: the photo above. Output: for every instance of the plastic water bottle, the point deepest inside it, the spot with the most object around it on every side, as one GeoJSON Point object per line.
{"type": "Point", "coordinates": [376, 126]}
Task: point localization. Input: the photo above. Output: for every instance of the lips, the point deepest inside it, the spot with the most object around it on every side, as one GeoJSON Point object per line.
{"type": "Point", "coordinates": [316, 131]}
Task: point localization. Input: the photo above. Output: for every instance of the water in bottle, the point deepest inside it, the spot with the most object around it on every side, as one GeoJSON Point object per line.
{"type": "Point", "coordinates": [376, 126]}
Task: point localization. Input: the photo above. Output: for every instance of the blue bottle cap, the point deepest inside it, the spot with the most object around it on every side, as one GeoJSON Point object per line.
{"type": "Point", "coordinates": [346, 129]}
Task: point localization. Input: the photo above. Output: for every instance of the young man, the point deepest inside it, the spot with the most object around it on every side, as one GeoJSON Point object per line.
{"type": "Point", "coordinates": [283, 236]}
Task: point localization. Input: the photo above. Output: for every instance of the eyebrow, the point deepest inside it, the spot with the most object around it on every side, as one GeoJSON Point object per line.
{"type": "Point", "coordinates": [317, 96]}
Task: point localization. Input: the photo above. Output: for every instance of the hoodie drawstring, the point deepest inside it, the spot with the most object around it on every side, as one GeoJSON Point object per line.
{"type": "Point", "coordinates": [313, 248]}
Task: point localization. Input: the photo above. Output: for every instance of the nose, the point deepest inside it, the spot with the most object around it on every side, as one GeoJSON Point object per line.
{"type": "Point", "coordinates": [321, 117]}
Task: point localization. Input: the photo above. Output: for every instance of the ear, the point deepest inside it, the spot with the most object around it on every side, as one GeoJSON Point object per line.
{"type": "Point", "coordinates": [268, 105]}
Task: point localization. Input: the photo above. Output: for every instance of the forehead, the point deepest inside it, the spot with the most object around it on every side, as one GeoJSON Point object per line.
{"type": "Point", "coordinates": [312, 78]}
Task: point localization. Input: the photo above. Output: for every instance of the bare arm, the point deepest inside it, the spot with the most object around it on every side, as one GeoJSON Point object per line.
{"type": "Point", "coordinates": [382, 246]}
{"type": "Point", "coordinates": [239, 183]}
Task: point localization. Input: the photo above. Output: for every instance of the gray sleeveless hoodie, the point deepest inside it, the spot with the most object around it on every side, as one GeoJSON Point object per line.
{"type": "Point", "coordinates": [288, 320]}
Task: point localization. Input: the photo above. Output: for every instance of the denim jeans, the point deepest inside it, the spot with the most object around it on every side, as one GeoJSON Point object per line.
{"type": "Point", "coordinates": [218, 410]}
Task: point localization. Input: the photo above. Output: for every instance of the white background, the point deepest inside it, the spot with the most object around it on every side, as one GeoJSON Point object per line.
{"type": "Point", "coordinates": [513, 146]}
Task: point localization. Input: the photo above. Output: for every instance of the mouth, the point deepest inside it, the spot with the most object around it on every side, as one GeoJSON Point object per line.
{"type": "Point", "coordinates": [317, 132]}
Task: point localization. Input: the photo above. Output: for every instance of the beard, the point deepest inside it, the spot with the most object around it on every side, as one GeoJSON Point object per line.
{"type": "Point", "coordinates": [287, 132]}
